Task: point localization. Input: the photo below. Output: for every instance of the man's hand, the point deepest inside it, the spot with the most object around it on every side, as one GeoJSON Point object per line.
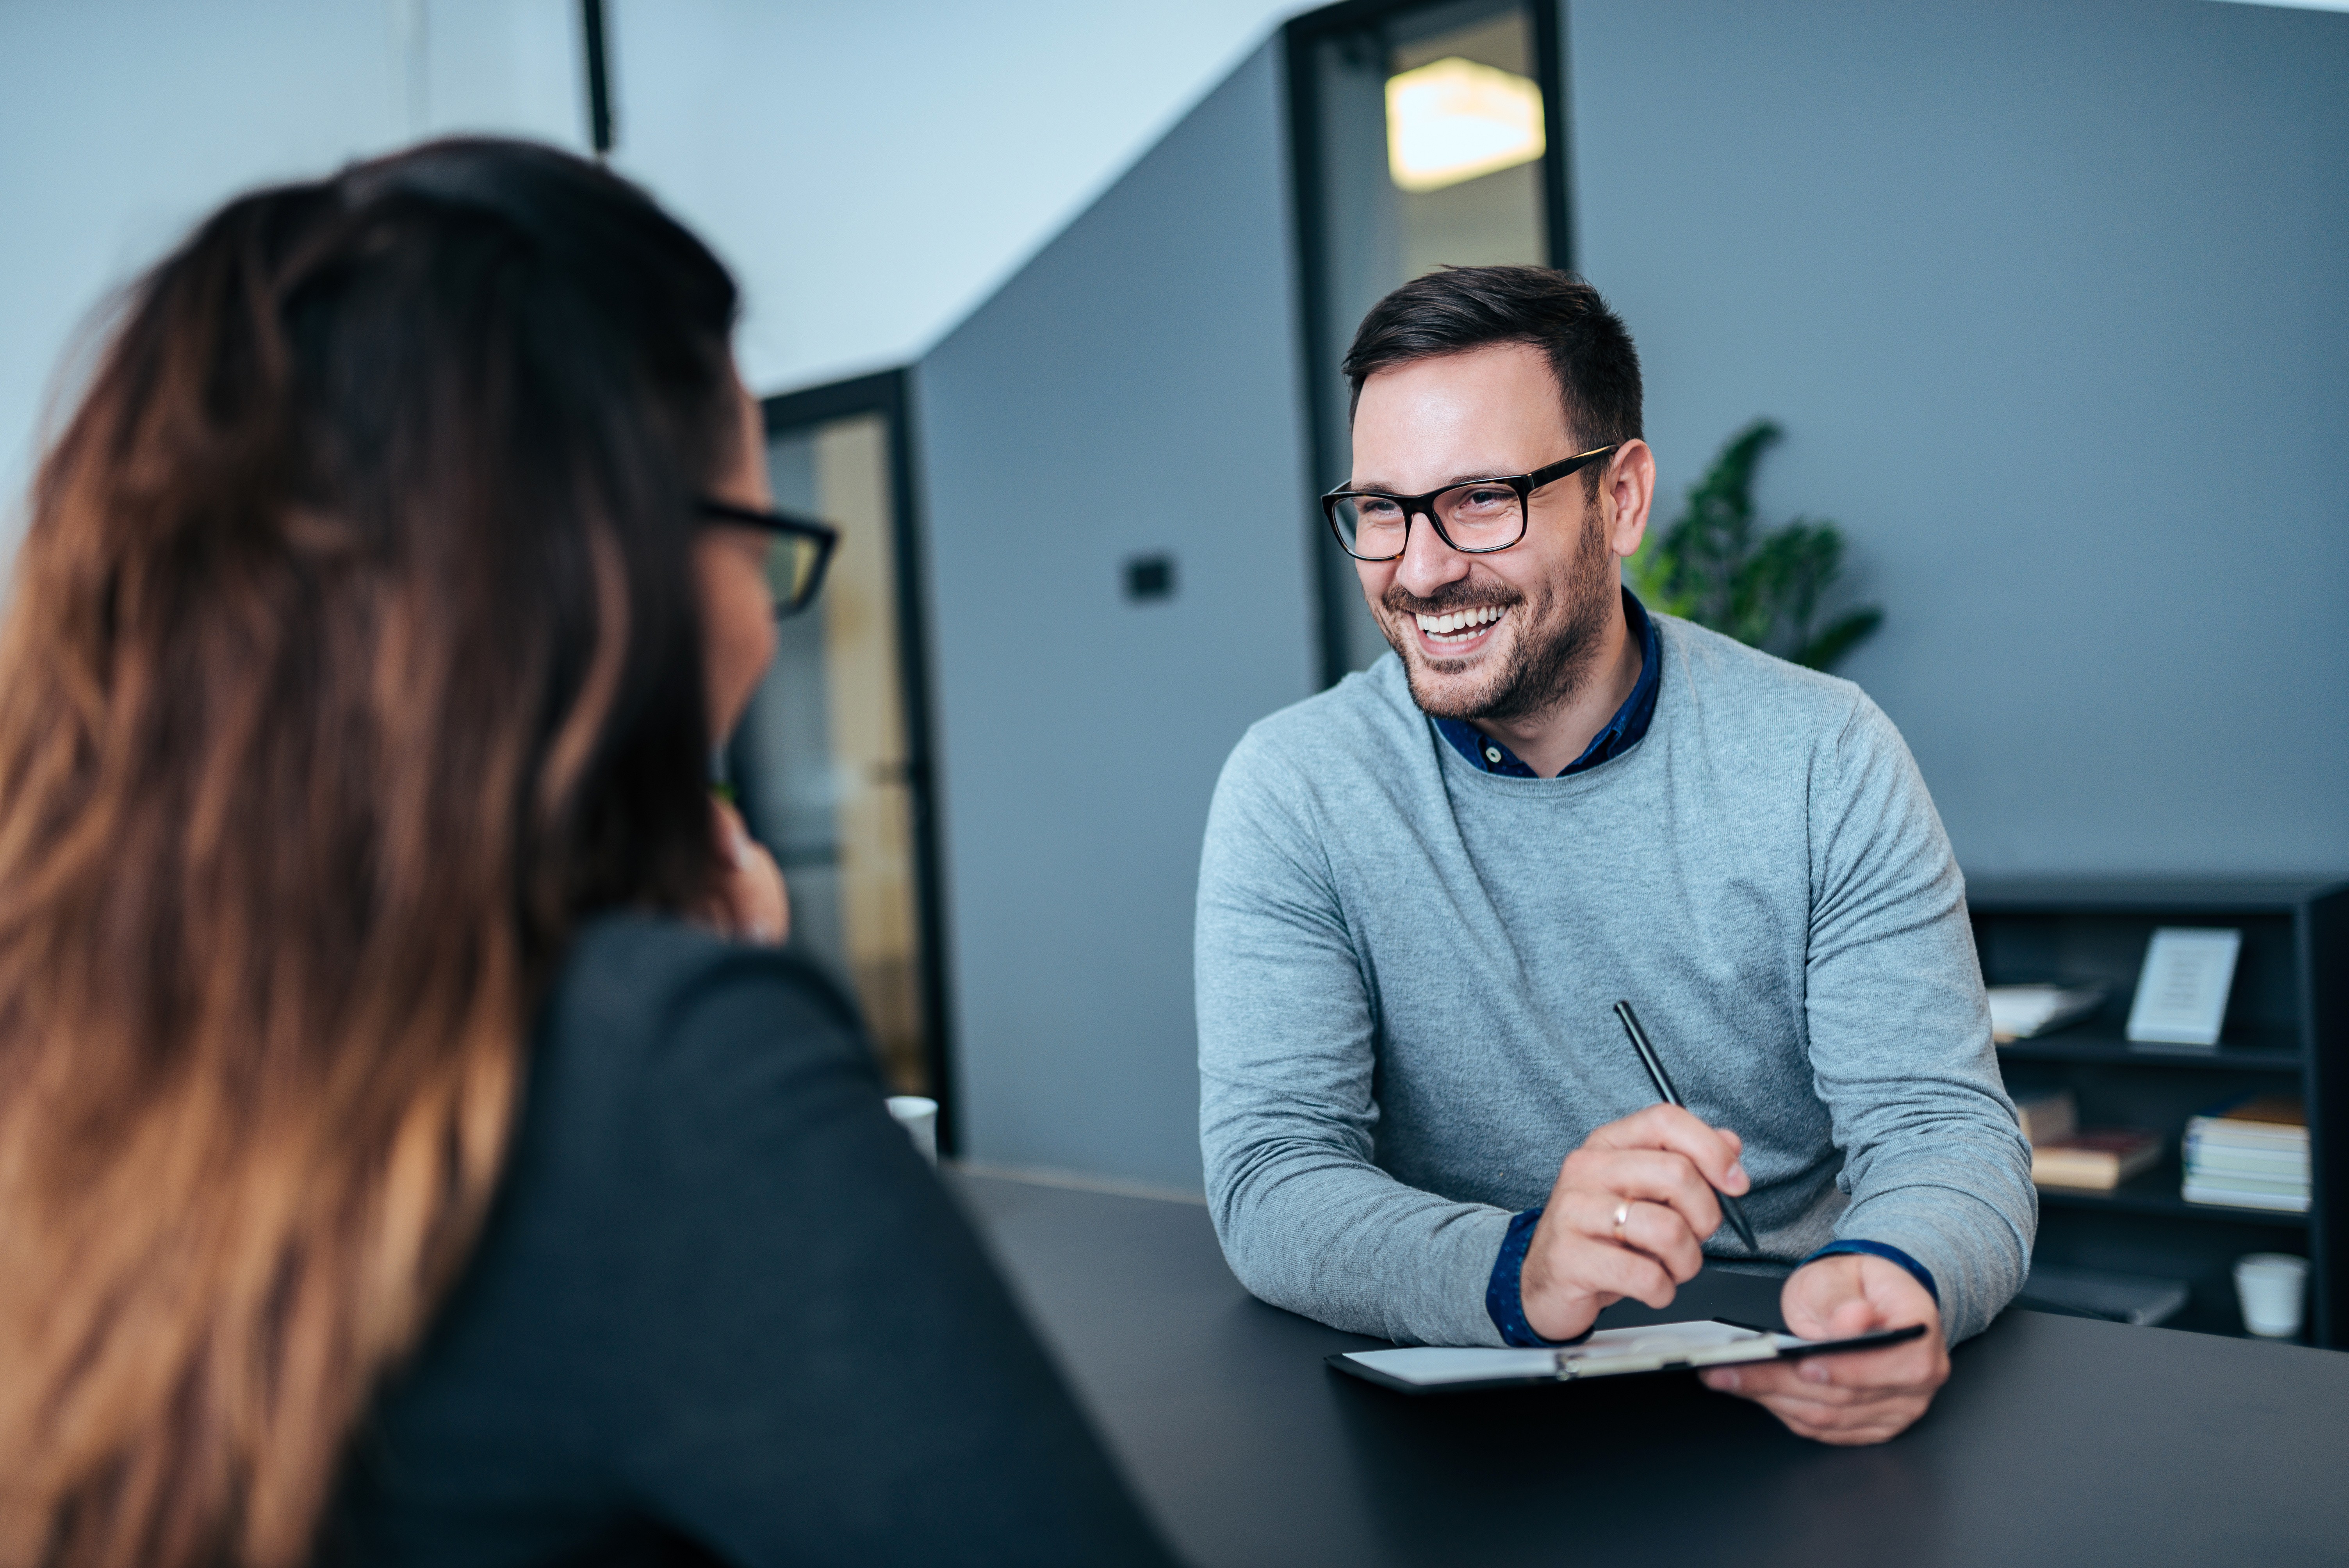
{"type": "Point", "coordinates": [1862, 1395]}
{"type": "Point", "coordinates": [1628, 1217]}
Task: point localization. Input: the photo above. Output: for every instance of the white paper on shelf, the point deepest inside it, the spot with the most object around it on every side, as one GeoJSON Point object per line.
{"type": "Point", "coordinates": [2181, 993]}
{"type": "Point", "coordinates": [2019, 1012]}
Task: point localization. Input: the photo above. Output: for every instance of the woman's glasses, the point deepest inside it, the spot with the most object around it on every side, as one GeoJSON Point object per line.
{"type": "Point", "coordinates": [798, 550]}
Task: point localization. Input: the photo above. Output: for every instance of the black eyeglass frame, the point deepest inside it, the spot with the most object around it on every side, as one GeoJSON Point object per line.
{"type": "Point", "coordinates": [826, 538]}
{"type": "Point", "coordinates": [1424, 505]}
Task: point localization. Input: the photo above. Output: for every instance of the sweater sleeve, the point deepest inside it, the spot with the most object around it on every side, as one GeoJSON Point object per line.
{"type": "Point", "coordinates": [1286, 1112]}
{"type": "Point", "coordinates": [819, 1364]}
{"type": "Point", "coordinates": [1899, 1032]}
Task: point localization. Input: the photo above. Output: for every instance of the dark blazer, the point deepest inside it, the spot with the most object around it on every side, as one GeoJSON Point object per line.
{"type": "Point", "coordinates": [722, 1310]}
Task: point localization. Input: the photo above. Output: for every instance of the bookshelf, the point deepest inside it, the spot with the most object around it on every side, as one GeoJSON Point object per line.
{"type": "Point", "coordinates": [2286, 1032]}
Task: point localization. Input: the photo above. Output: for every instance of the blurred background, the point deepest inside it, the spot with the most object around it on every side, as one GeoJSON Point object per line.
{"type": "Point", "coordinates": [2048, 298]}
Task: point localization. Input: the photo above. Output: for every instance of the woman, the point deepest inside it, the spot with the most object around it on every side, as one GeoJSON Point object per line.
{"type": "Point", "coordinates": [389, 1172]}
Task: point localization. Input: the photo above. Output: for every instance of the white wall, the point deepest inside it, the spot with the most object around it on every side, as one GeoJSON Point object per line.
{"type": "Point", "coordinates": [126, 120]}
{"type": "Point", "coordinates": [870, 171]}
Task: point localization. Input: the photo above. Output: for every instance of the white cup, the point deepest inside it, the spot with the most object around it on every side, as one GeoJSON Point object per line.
{"type": "Point", "coordinates": [2270, 1287]}
{"type": "Point", "coordinates": [918, 1115]}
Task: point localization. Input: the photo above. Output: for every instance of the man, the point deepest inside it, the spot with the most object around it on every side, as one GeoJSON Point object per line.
{"type": "Point", "coordinates": [1423, 891]}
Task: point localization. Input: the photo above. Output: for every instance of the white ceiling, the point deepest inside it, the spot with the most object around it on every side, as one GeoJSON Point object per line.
{"type": "Point", "coordinates": [874, 170]}
{"type": "Point", "coordinates": [871, 170]}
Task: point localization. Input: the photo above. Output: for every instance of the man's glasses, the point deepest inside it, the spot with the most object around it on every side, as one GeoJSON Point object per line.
{"type": "Point", "coordinates": [798, 550]}
{"type": "Point", "coordinates": [1476, 517]}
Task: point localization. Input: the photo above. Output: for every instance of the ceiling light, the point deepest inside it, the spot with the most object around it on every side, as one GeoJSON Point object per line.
{"type": "Point", "coordinates": [1455, 119]}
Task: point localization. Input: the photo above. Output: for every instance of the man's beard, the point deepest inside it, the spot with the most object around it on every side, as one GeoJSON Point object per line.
{"type": "Point", "coordinates": [1545, 668]}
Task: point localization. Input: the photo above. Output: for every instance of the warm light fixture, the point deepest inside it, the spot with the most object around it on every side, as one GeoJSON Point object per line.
{"type": "Point", "coordinates": [1455, 120]}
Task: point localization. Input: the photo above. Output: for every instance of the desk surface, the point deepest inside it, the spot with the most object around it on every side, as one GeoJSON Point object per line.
{"type": "Point", "coordinates": [2058, 1440]}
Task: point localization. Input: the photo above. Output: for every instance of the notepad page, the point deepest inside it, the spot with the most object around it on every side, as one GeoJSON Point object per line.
{"type": "Point", "coordinates": [1610, 1350]}
{"type": "Point", "coordinates": [1430, 1365]}
{"type": "Point", "coordinates": [1662, 1344]}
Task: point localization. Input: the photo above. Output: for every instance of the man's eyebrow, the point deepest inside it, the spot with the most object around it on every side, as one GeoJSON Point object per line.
{"type": "Point", "coordinates": [1466, 478]}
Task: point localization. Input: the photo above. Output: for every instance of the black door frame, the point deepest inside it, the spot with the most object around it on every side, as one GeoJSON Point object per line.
{"type": "Point", "coordinates": [1298, 36]}
{"type": "Point", "coordinates": [889, 393]}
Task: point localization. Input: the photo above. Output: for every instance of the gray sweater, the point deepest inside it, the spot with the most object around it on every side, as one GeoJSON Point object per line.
{"type": "Point", "coordinates": [1406, 968]}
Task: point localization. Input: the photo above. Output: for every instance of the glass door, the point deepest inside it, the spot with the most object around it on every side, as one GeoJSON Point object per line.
{"type": "Point", "coordinates": [828, 764]}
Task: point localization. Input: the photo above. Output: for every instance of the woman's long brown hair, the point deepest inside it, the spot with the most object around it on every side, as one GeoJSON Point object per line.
{"type": "Point", "coordinates": [352, 659]}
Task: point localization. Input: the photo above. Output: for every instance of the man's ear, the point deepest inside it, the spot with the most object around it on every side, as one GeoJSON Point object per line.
{"type": "Point", "coordinates": [1627, 491]}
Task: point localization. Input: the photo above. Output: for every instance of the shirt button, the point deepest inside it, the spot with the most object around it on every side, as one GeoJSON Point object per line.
{"type": "Point", "coordinates": [1493, 755]}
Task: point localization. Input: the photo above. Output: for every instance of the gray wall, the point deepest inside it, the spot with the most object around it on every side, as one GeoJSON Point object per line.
{"type": "Point", "coordinates": [2053, 300]}
{"type": "Point", "coordinates": [1131, 390]}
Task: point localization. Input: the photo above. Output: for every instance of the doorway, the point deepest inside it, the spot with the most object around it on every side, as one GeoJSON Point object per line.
{"type": "Point", "coordinates": [831, 764]}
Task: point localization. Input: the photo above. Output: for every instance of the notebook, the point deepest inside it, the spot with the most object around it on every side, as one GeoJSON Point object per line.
{"type": "Point", "coordinates": [1609, 1353]}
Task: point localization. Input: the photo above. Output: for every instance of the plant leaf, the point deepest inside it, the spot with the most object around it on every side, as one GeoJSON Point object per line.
{"type": "Point", "coordinates": [1821, 652]}
{"type": "Point", "coordinates": [1763, 587]}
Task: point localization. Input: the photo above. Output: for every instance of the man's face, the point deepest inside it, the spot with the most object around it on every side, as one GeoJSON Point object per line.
{"type": "Point", "coordinates": [1535, 612]}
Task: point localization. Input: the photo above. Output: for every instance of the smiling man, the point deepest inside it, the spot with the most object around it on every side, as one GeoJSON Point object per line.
{"type": "Point", "coordinates": [1423, 891]}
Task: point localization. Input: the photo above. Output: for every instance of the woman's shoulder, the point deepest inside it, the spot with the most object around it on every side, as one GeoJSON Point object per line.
{"type": "Point", "coordinates": [636, 979]}
{"type": "Point", "coordinates": [653, 1025]}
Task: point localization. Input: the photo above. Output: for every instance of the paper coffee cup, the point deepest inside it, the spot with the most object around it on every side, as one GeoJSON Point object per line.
{"type": "Point", "coordinates": [918, 1115]}
{"type": "Point", "coordinates": [2270, 1285]}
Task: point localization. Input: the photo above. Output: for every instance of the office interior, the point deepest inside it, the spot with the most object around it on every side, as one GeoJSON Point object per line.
{"type": "Point", "coordinates": [2042, 314]}
{"type": "Point", "coordinates": [2051, 301]}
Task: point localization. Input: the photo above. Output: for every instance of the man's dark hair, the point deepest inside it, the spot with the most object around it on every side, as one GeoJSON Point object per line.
{"type": "Point", "coordinates": [1455, 309]}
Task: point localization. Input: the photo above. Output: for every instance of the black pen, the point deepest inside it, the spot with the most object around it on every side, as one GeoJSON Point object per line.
{"type": "Point", "coordinates": [1655, 1066]}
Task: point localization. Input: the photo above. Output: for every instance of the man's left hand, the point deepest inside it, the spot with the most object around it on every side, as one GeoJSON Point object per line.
{"type": "Point", "coordinates": [1855, 1396]}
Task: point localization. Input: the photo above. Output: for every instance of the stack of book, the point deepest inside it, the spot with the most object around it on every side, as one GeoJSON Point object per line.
{"type": "Point", "coordinates": [2251, 1155]}
{"type": "Point", "coordinates": [2061, 1155]}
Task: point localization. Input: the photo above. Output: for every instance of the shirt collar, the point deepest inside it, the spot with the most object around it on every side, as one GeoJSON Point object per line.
{"type": "Point", "coordinates": [1618, 736]}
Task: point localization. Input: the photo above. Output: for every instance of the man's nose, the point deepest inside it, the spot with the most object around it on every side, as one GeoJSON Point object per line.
{"type": "Point", "coordinates": [1428, 563]}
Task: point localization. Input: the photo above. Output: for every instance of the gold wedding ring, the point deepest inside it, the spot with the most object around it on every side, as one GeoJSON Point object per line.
{"type": "Point", "coordinates": [1622, 1212]}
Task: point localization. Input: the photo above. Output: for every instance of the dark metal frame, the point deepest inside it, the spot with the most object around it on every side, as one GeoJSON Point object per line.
{"type": "Point", "coordinates": [593, 37]}
{"type": "Point", "coordinates": [889, 393]}
{"type": "Point", "coordinates": [1297, 36]}
{"type": "Point", "coordinates": [1424, 505]}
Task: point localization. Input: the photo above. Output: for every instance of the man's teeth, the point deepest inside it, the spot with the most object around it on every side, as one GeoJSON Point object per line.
{"type": "Point", "coordinates": [1458, 621]}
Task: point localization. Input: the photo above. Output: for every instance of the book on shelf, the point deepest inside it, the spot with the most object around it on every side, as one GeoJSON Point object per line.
{"type": "Point", "coordinates": [2290, 1164]}
{"type": "Point", "coordinates": [2020, 1012]}
{"type": "Point", "coordinates": [2047, 1117]}
{"type": "Point", "coordinates": [2096, 1160]}
{"type": "Point", "coordinates": [2252, 1154]}
{"type": "Point", "coordinates": [2262, 1121]}
{"type": "Point", "coordinates": [2237, 1194]}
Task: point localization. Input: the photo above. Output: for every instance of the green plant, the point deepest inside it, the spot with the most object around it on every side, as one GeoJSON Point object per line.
{"type": "Point", "coordinates": [1762, 586]}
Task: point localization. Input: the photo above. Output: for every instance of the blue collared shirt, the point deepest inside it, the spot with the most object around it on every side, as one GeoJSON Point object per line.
{"type": "Point", "coordinates": [1504, 1300]}
{"type": "Point", "coordinates": [1619, 734]}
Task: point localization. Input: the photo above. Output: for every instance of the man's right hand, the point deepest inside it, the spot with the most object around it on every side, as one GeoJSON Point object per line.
{"type": "Point", "coordinates": [1628, 1217]}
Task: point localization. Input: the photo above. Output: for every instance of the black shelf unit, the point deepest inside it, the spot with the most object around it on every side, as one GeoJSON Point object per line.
{"type": "Point", "coordinates": [2286, 1032]}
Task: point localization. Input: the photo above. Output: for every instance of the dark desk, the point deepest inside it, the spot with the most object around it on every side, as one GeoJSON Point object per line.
{"type": "Point", "coordinates": [2058, 1440]}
